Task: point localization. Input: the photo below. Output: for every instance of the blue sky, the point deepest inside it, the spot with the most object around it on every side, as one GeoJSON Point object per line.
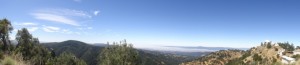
{"type": "Point", "coordinates": [150, 23]}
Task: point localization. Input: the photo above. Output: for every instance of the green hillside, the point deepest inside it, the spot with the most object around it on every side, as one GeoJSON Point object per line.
{"type": "Point", "coordinates": [89, 53]}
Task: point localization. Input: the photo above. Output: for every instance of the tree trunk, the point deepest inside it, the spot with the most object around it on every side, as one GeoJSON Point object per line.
{"type": "Point", "coordinates": [5, 44]}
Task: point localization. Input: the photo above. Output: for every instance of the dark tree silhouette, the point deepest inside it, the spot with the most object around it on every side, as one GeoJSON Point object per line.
{"type": "Point", "coordinates": [5, 29]}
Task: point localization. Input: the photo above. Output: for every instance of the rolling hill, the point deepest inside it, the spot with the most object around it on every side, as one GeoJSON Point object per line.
{"type": "Point", "coordinates": [79, 49]}
{"type": "Point", "coordinates": [89, 53]}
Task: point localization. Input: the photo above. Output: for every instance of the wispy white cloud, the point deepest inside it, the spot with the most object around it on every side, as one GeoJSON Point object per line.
{"type": "Point", "coordinates": [67, 12]}
{"type": "Point", "coordinates": [32, 29]}
{"type": "Point", "coordinates": [70, 12]}
{"type": "Point", "coordinates": [96, 12]}
{"type": "Point", "coordinates": [51, 29]}
{"type": "Point", "coordinates": [27, 24]}
{"type": "Point", "coordinates": [59, 30]}
{"type": "Point", "coordinates": [55, 18]}
{"type": "Point", "coordinates": [89, 27]}
{"type": "Point", "coordinates": [66, 31]}
{"type": "Point", "coordinates": [85, 28]}
{"type": "Point", "coordinates": [66, 16]}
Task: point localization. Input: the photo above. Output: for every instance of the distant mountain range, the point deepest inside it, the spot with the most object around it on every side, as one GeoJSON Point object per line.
{"type": "Point", "coordinates": [89, 53]}
{"type": "Point", "coordinates": [193, 54]}
{"type": "Point", "coordinates": [212, 49]}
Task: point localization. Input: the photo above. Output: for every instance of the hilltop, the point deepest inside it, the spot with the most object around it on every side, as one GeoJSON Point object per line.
{"type": "Point", "coordinates": [267, 53]}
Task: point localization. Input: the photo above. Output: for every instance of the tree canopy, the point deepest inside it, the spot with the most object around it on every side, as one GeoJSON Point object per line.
{"type": "Point", "coordinates": [119, 54]}
{"type": "Point", "coordinates": [66, 58]}
{"type": "Point", "coordinates": [30, 49]}
{"type": "Point", "coordinates": [5, 29]}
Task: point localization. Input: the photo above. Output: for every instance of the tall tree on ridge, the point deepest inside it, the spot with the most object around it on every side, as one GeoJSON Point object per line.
{"type": "Point", "coordinates": [5, 29]}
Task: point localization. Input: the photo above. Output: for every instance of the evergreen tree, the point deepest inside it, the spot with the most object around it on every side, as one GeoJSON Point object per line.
{"type": "Point", "coordinates": [25, 43]}
{"type": "Point", "coordinates": [119, 54]}
{"type": "Point", "coordinates": [30, 48]}
{"type": "Point", "coordinates": [66, 59]}
{"type": "Point", "coordinates": [5, 29]}
{"type": "Point", "coordinates": [287, 46]}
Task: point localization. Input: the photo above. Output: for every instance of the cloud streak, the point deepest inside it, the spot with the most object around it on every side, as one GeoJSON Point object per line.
{"type": "Point", "coordinates": [55, 18]}
{"type": "Point", "coordinates": [85, 28]}
{"type": "Point", "coordinates": [67, 31]}
{"type": "Point", "coordinates": [67, 12]}
{"type": "Point", "coordinates": [66, 16]}
{"type": "Point", "coordinates": [96, 12]}
{"type": "Point", "coordinates": [32, 29]}
{"type": "Point", "coordinates": [27, 24]}
{"type": "Point", "coordinates": [90, 28]}
{"type": "Point", "coordinates": [51, 29]}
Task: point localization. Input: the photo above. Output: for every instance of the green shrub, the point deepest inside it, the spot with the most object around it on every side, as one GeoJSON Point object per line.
{"type": "Point", "coordinates": [296, 56]}
{"type": "Point", "coordinates": [1, 55]}
{"type": "Point", "coordinates": [8, 61]}
{"type": "Point", "coordinates": [66, 59]}
{"type": "Point", "coordinates": [257, 57]}
{"type": "Point", "coordinates": [288, 46]}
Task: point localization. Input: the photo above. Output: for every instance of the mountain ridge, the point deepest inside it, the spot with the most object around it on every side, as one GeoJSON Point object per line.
{"type": "Point", "coordinates": [89, 53]}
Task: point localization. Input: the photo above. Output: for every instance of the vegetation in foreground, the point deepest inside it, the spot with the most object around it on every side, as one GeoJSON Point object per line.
{"type": "Point", "coordinates": [28, 51]}
{"type": "Point", "coordinates": [119, 54]}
